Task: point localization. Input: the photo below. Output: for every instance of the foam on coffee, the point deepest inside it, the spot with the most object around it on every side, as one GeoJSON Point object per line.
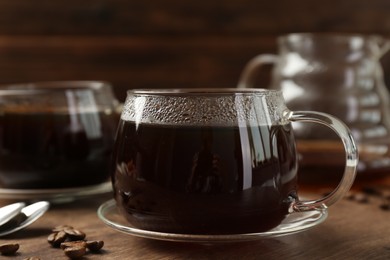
{"type": "Point", "coordinates": [226, 109]}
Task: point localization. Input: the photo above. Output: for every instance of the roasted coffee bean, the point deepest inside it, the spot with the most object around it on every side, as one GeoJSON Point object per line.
{"type": "Point", "coordinates": [95, 245]}
{"type": "Point", "coordinates": [372, 191]}
{"type": "Point", "coordinates": [32, 258]}
{"type": "Point", "coordinates": [73, 244]}
{"type": "Point", "coordinates": [72, 241]}
{"type": "Point", "coordinates": [51, 238]}
{"type": "Point", "coordinates": [61, 228]}
{"type": "Point", "coordinates": [350, 196]}
{"type": "Point", "coordinates": [75, 252]}
{"type": "Point", "coordinates": [361, 198]}
{"type": "Point", "coordinates": [74, 234]}
{"type": "Point", "coordinates": [385, 206]}
{"type": "Point", "coordinates": [55, 239]}
{"type": "Point", "coordinates": [358, 197]}
{"type": "Point", "coordinates": [8, 249]}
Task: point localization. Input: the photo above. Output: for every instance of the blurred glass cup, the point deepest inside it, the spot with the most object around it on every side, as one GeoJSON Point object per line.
{"type": "Point", "coordinates": [339, 74]}
{"type": "Point", "coordinates": [56, 135]}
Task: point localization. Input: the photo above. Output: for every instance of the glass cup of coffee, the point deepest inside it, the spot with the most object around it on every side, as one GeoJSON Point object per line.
{"type": "Point", "coordinates": [214, 161]}
{"type": "Point", "coordinates": [56, 135]}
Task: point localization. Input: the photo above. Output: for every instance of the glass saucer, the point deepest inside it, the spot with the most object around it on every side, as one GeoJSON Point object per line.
{"type": "Point", "coordinates": [56, 195]}
{"type": "Point", "coordinates": [293, 223]}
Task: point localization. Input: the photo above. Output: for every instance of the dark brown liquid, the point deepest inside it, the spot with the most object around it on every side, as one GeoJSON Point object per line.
{"type": "Point", "coordinates": [51, 150]}
{"type": "Point", "coordinates": [204, 180]}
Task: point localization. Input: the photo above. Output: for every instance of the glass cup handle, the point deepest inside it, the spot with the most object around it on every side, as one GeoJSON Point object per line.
{"type": "Point", "coordinates": [351, 158]}
{"type": "Point", "coordinates": [248, 75]}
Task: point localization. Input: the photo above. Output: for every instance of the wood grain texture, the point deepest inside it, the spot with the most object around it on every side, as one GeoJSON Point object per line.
{"type": "Point", "coordinates": [216, 17]}
{"type": "Point", "coordinates": [352, 230]}
{"type": "Point", "coordinates": [129, 62]}
{"type": "Point", "coordinates": [164, 44]}
{"type": "Point", "coordinates": [135, 62]}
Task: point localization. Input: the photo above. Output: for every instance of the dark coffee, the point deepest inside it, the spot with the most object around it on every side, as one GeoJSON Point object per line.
{"type": "Point", "coordinates": [204, 179]}
{"type": "Point", "coordinates": [55, 149]}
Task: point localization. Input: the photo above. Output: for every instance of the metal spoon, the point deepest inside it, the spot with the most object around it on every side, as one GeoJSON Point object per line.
{"type": "Point", "coordinates": [26, 216]}
{"type": "Point", "coordinates": [10, 211]}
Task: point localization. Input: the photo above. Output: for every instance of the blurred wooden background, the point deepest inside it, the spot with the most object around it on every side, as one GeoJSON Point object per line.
{"type": "Point", "coordinates": [163, 43]}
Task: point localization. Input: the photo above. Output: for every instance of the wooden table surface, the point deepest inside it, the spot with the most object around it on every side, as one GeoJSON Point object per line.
{"type": "Point", "coordinates": [353, 230]}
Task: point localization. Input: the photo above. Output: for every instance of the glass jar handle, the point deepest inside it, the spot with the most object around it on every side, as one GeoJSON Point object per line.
{"type": "Point", "coordinates": [248, 75]}
{"type": "Point", "coordinates": [351, 158]}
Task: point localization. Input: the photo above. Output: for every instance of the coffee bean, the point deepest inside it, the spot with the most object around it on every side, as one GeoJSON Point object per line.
{"type": "Point", "coordinates": [61, 228]}
{"type": "Point", "coordinates": [361, 198]}
{"type": "Point", "coordinates": [8, 249]}
{"type": "Point", "coordinates": [74, 234]}
{"type": "Point", "coordinates": [385, 206]}
{"type": "Point", "coordinates": [350, 196]}
{"type": "Point", "coordinates": [32, 258]}
{"type": "Point", "coordinates": [51, 237]}
{"type": "Point", "coordinates": [372, 191]}
{"type": "Point", "coordinates": [72, 241]}
{"type": "Point", "coordinates": [73, 244]}
{"type": "Point", "coordinates": [55, 239]}
{"type": "Point", "coordinates": [358, 197]}
{"type": "Point", "coordinates": [75, 252]}
{"type": "Point", "coordinates": [95, 245]}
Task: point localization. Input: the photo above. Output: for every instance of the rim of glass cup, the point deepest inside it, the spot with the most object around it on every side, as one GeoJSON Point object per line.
{"type": "Point", "coordinates": [202, 91]}
{"type": "Point", "coordinates": [51, 86]}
